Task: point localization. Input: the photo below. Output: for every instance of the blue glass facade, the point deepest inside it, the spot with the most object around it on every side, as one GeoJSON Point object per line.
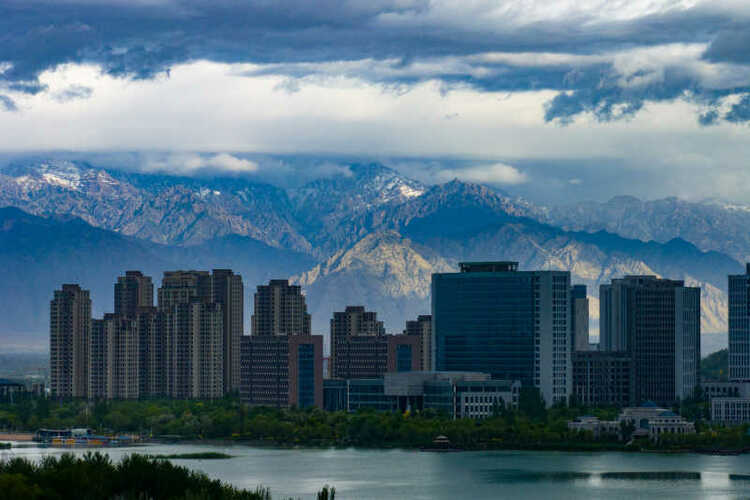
{"type": "Point", "coordinates": [485, 322]}
{"type": "Point", "coordinates": [403, 357]}
{"type": "Point", "coordinates": [306, 375]}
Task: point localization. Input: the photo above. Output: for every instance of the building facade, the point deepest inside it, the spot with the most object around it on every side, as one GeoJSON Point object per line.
{"type": "Point", "coordinates": [730, 411]}
{"type": "Point", "coordinates": [515, 325]}
{"type": "Point", "coordinates": [579, 317]}
{"type": "Point", "coordinates": [656, 321]}
{"type": "Point", "coordinates": [739, 326]}
{"type": "Point", "coordinates": [354, 321]}
{"type": "Point", "coordinates": [282, 370]}
{"type": "Point", "coordinates": [422, 328]}
{"type": "Point", "coordinates": [280, 309]}
{"type": "Point", "coordinates": [70, 330]}
{"type": "Point", "coordinates": [602, 378]}
{"type": "Point", "coordinates": [133, 291]}
{"type": "Point", "coordinates": [371, 356]}
{"type": "Point", "coordinates": [228, 291]}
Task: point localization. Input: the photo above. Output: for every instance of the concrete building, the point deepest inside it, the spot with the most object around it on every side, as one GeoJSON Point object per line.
{"type": "Point", "coordinates": [739, 326]}
{"type": "Point", "coordinates": [422, 328]}
{"type": "Point", "coordinates": [282, 370]}
{"type": "Point", "coordinates": [491, 317]}
{"type": "Point", "coordinates": [579, 317]}
{"type": "Point", "coordinates": [730, 411]}
{"type": "Point", "coordinates": [194, 351]}
{"type": "Point", "coordinates": [647, 420]}
{"type": "Point", "coordinates": [354, 321]}
{"type": "Point", "coordinates": [227, 290]}
{"type": "Point", "coordinates": [725, 389]}
{"type": "Point", "coordinates": [657, 321]}
{"type": "Point", "coordinates": [602, 378]}
{"type": "Point", "coordinates": [280, 309]}
{"type": "Point", "coordinates": [70, 329]}
{"type": "Point", "coordinates": [371, 356]}
{"type": "Point", "coordinates": [122, 357]}
{"type": "Point", "coordinates": [97, 382]}
{"type": "Point", "coordinates": [151, 326]}
{"type": "Point", "coordinates": [456, 394]}
{"type": "Point", "coordinates": [133, 291]}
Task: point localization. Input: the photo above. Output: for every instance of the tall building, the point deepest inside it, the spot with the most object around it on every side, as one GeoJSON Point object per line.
{"type": "Point", "coordinates": [280, 309]}
{"type": "Point", "coordinates": [194, 336]}
{"type": "Point", "coordinates": [515, 325]}
{"type": "Point", "coordinates": [739, 326]}
{"type": "Point", "coordinates": [70, 329]}
{"type": "Point", "coordinates": [151, 328]}
{"type": "Point", "coordinates": [229, 292]}
{"type": "Point", "coordinates": [194, 351]}
{"type": "Point", "coordinates": [579, 317]}
{"type": "Point", "coordinates": [132, 291]}
{"type": "Point", "coordinates": [422, 328]}
{"type": "Point", "coordinates": [354, 321]}
{"type": "Point", "coordinates": [657, 321]}
{"type": "Point", "coordinates": [282, 370]}
{"type": "Point", "coordinates": [97, 385]}
{"type": "Point", "coordinates": [122, 357]}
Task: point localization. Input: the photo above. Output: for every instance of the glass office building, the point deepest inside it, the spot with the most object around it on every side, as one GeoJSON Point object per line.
{"type": "Point", "coordinates": [514, 325]}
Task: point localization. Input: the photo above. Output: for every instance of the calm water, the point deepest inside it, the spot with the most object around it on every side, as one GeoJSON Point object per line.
{"type": "Point", "coordinates": [367, 474]}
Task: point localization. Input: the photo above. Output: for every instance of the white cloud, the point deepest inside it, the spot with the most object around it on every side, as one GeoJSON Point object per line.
{"type": "Point", "coordinates": [496, 173]}
{"type": "Point", "coordinates": [192, 162]}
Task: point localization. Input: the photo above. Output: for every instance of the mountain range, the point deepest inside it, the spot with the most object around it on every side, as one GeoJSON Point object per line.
{"type": "Point", "coordinates": [367, 236]}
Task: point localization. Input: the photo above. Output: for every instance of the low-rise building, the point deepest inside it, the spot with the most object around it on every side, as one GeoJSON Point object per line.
{"type": "Point", "coordinates": [730, 411]}
{"type": "Point", "coordinates": [713, 390]}
{"type": "Point", "coordinates": [456, 394]}
{"type": "Point", "coordinates": [646, 420]}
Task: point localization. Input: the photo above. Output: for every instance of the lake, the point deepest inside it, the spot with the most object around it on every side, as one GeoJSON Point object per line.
{"type": "Point", "coordinates": [377, 474]}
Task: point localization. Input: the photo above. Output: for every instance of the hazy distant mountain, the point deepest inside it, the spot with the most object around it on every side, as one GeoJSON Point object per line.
{"type": "Point", "coordinates": [37, 255]}
{"type": "Point", "coordinates": [709, 225]}
{"type": "Point", "coordinates": [368, 236]}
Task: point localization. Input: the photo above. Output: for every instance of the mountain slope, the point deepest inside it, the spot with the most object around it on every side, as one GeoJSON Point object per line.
{"type": "Point", "coordinates": [708, 225]}
{"type": "Point", "coordinates": [162, 209]}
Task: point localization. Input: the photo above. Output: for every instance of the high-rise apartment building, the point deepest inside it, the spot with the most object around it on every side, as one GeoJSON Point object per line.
{"type": "Point", "coordinates": [354, 321]}
{"type": "Point", "coordinates": [422, 328]}
{"type": "Point", "coordinates": [194, 350]}
{"type": "Point", "coordinates": [228, 291]}
{"type": "Point", "coordinates": [657, 321]}
{"type": "Point", "coordinates": [515, 325]}
{"type": "Point", "coordinates": [97, 384]}
{"type": "Point", "coordinates": [739, 326]}
{"type": "Point", "coordinates": [579, 317]}
{"type": "Point", "coordinates": [282, 370]}
{"type": "Point", "coordinates": [133, 291]}
{"type": "Point", "coordinates": [122, 357]}
{"type": "Point", "coordinates": [280, 309]}
{"type": "Point", "coordinates": [152, 332]}
{"type": "Point", "coordinates": [70, 329]}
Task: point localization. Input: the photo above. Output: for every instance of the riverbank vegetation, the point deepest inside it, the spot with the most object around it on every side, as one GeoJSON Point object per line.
{"type": "Point", "coordinates": [531, 428]}
{"type": "Point", "coordinates": [95, 476]}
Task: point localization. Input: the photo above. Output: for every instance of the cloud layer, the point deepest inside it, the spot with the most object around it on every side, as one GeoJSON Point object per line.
{"type": "Point", "coordinates": [601, 58]}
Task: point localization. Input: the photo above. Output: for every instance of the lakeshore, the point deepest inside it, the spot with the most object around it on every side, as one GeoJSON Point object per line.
{"type": "Point", "coordinates": [410, 474]}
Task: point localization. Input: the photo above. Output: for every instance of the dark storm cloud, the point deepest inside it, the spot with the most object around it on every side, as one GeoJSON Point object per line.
{"type": "Point", "coordinates": [139, 40]}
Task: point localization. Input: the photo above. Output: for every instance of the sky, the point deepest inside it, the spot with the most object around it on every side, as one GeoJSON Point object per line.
{"type": "Point", "coordinates": [552, 99]}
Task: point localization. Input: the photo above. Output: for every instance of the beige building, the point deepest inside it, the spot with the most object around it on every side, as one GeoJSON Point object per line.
{"type": "Point", "coordinates": [353, 321]}
{"type": "Point", "coordinates": [70, 328]}
{"type": "Point", "coordinates": [280, 309]}
{"type": "Point", "coordinates": [422, 328]}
